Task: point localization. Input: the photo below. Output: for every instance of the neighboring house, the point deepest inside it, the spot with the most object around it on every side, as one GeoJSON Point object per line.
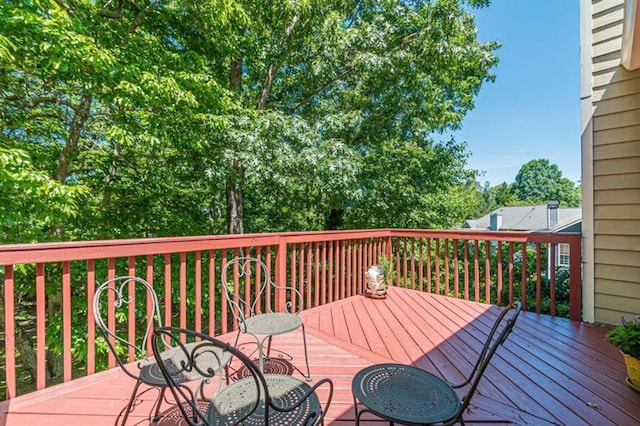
{"type": "Point", "coordinates": [539, 218]}
{"type": "Point", "coordinates": [610, 100]}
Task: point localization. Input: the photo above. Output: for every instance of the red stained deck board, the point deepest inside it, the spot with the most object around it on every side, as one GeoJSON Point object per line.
{"type": "Point", "coordinates": [369, 320]}
{"type": "Point", "coordinates": [550, 369]}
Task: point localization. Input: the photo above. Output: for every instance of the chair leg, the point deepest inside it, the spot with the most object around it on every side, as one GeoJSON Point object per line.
{"type": "Point", "coordinates": [269, 347]}
{"type": "Point", "coordinates": [129, 406]}
{"type": "Point", "coordinates": [306, 357]}
{"type": "Point", "coordinates": [156, 414]}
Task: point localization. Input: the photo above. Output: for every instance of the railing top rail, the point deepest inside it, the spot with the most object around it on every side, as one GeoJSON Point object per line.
{"type": "Point", "coordinates": [509, 236]}
{"type": "Point", "coordinates": [100, 249]}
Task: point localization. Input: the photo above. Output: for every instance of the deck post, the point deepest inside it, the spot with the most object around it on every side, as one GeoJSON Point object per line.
{"type": "Point", "coordinates": [575, 279]}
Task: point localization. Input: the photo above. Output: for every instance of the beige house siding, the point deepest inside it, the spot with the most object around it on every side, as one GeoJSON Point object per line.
{"type": "Point", "coordinates": [615, 97]}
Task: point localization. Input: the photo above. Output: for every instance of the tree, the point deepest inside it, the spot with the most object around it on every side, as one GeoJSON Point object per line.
{"type": "Point", "coordinates": [103, 95]}
{"type": "Point", "coordinates": [539, 181]}
{"type": "Point", "coordinates": [377, 78]}
{"type": "Point", "coordinates": [181, 117]}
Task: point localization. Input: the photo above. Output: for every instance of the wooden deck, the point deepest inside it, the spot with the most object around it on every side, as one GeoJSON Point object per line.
{"type": "Point", "coordinates": [550, 371]}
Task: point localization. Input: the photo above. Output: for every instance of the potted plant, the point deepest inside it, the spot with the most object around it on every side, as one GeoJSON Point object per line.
{"type": "Point", "coordinates": [626, 337]}
{"type": "Point", "coordinates": [379, 276]}
{"type": "Point", "coordinates": [388, 269]}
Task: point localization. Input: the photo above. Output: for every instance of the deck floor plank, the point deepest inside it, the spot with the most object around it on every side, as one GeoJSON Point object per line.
{"type": "Point", "coordinates": [550, 371]}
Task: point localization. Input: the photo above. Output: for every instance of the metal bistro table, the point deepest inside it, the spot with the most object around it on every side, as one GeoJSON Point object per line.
{"type": "Point", "coordinates": [404, 394]}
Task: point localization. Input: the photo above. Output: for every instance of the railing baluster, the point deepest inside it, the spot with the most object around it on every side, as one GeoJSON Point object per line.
{"type": "Point", "coordinates": [466, 270]}
{"type": "Point", "coordinates": [538, 280]}
{"type": "Point", "coordinates": [323, 290]}
{"type": "Point", "coordinates": [66, 320]}
{"type": "Point", "coordinates": [301, 275]}
{"type": "Point", "coordinates": [487, 271]}
{"type": "Point", "coordinates": [91, 324]}
{"type": "Point", "coordinates": [183, 292]}
{"type": "Point", "coordinates": [413, 263]}
{"type": "Point", "coordinates": [167, 289]}
{"type": "Point", "coordinates": [9, 332]}
{"type": "Point", "coordinates": [552, 279]}
{"type": "Point", "coordinates": [224, 302]}
{"type": "Point", "coordinates": [446, 268]}
{"type": "Point", "coordinates": [316, 288]}
{"type": "Point", "coordinates": [131, 323]}
{"type": "Point", "coordinates": [294, 283]}
{"type": "Point", "coordinates": [212, 294]}
{"type": "Point", "coordinates": [331, 274]}
{"type": "Point", "coordinates": [198, 290]}
{"type": "Point", "coordinates": [41, 344]}
{"type": "Point", "coordinates": [149, 301]}
{"type": "Point", "coordinates": [476, 271]}
{"type": "Point", "coordinates": [499, 272]}
{"type": "Point", "coordinates": [111, 319]}
{"type": "Point", "coordinates": [523, 296]}
{"type": "Point", "coordinates": [309, 280]}
{"type": "Point", "coordinates": [280, 302]}
{"type": "Point", "coordinates": [511, 272]}
{"type": "Point", "coordinates": [428, 265]}
{"type": "Point", "coordinates": [456, 276]}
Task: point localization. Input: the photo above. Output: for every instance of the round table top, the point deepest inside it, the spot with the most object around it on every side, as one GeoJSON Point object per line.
{"type": "Point", "coordinates": [405, 394]}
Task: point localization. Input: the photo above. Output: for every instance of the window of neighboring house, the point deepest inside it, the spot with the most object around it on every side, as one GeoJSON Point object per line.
{"type": "Point", "coordinates": [563, 254]}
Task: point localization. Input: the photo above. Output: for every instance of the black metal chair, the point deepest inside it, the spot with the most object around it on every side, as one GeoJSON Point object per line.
{"type": "Point", "coordinates": [248, 288]}
{"type": "Point", "coordinates": [254, 399]}
{"type": "Point", "coordinates": [412, 396]}
{"type": "Point", "coordinates": [129, 338]}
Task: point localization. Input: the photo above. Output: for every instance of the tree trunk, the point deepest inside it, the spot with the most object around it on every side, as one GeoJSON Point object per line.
{"type": "Point", "coordinates": [235, 213]}
{"type": "Point", "coordinates": [71, 147]}
{"type": "Point", "coordinates": [235, 222]}
{"type": "Point", "coordinates": [72, 143]}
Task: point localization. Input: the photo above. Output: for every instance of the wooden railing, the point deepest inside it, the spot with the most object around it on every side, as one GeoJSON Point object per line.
{"type": "Point", "coordinates": [48, 288]}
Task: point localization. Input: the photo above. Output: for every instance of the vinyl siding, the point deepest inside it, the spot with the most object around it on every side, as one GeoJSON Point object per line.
{"type": "Point", "coordinates": [616, 168]}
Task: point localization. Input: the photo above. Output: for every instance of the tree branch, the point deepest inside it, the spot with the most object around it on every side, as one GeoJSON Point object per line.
{"type": "Point", "coordinates": [275, 66]}
{"type": "Point", "coordinates": [113, 14]}
{"type": "Point", "coordinates": [71, 146]}
{"type": "Point", "coordinates": [38, 100]}
{"type": "Point", "coordinates": [349, 68]}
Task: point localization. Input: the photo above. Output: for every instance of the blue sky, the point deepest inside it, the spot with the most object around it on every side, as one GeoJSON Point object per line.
{"type": "Point", "coordinates": [532, 110]}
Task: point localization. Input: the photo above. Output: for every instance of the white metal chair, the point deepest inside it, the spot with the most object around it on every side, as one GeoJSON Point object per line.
{"type": "Point", "coordinates": [130, 306]}
{"type": "Point", "coordinates": [250, 292]}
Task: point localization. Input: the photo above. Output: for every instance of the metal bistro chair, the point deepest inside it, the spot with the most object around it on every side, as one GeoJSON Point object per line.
{"type": "Point", "coordinates": [255, 399]}
{"type": "Point", "coordinates": [256, 316]}
{"type": "Point", "coordinates": [119, 296]}
{"type": "Point", "coordinates": [412, 396]}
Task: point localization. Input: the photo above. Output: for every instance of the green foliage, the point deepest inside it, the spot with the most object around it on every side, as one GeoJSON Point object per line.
{"type": "Point", "coordinates": [537, 182]}
{"type": "Point", "coordinates": [335, 108]}
{"type": "Point", "coordinates": [626, 336]}
{"type": "Point", "coordinates": [488, 199]}
{"type": "Point", "coordinates": [540, 181]}
{"type": "Point", "coordinates": [31, 202]}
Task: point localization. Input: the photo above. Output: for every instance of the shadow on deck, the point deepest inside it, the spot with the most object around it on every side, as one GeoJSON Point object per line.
{"type": "Point", "coordinates": [550, 371]}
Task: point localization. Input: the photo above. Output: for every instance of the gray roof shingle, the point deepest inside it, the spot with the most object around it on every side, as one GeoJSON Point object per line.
{"type": "Point", "coordinates": [527, 218]}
